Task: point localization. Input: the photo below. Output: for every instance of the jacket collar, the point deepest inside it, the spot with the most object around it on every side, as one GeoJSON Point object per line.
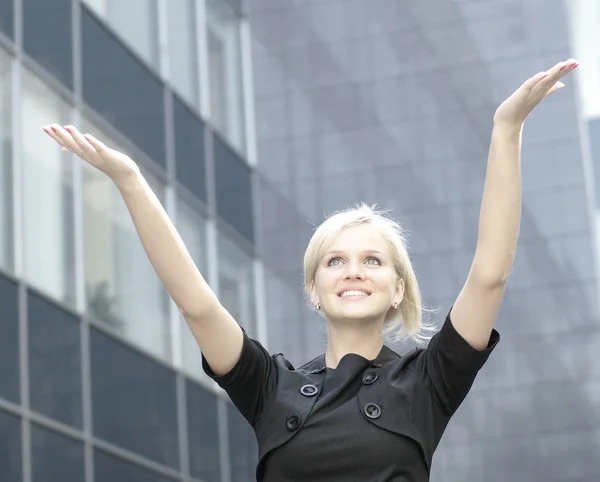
{"type": "Point", "coordinates": [386, 355]}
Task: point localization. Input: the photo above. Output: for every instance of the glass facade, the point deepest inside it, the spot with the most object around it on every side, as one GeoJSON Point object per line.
{"type": "Point", "coordinates": [391, 103]}
{"type": "Point", "coordinates": [100, 378]}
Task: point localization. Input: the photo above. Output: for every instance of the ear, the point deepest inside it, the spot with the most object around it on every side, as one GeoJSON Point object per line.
{"type": "Point", "coordinates": [399, 294]}
{"type": "Point", "coordinates": [314, 299]}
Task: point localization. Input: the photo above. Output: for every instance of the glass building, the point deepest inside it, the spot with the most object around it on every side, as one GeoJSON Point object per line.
{"type": "Point", "coordinates": [391, 102]}
{"type": "Point", "coordinates": [100, 377]}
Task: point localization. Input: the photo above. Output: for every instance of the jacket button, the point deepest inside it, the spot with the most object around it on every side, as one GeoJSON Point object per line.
{"type": "Point", "coordinates": [372, 410]}
{"type": "Point", "coordinates": [293, 422]}
{"type": "Point", "coordinates": [369, 378]}
{"type": "Point", "coordinates": [308, 390]}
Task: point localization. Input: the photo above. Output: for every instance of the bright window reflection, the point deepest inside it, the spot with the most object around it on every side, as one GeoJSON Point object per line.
{"type": "Point", "coordinates": [183, 58]}
{"type": "Point", "coordinates": [48, 193]}
{"type": "Point", "coordinates": [236, 283]}
{"type": "Point", "coordinates": [122, 288]}
{"type": "Point", "coordinates": [191, 227]}
{"type": "Point", "coordinates": [136, 21]}
{"type": "Point", "coordinates": [225, 72]}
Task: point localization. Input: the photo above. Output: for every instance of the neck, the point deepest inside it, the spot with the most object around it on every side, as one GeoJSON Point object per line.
{"type": "Point", "coordinates": [365, 341]}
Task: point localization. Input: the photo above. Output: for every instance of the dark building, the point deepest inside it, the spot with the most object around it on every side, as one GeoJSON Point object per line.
{"type": "Point", "coordinates": [391, 102]}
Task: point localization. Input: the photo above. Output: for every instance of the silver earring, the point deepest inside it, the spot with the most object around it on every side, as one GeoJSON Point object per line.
{"type": "Point", "coordinates": [396, 305]}
{"type": "Point", "coordinates": [317, 306]}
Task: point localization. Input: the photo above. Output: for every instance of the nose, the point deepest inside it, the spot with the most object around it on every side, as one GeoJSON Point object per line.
{"type": "Point", "coordinates": [354, 270]}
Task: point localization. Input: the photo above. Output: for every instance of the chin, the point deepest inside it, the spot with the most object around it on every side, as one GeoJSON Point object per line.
{"type": "Point", "coordinates": [361, 313]}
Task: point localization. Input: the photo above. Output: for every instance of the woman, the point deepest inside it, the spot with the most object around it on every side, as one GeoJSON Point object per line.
{"type": "Point", "coordinates": [360, 412]}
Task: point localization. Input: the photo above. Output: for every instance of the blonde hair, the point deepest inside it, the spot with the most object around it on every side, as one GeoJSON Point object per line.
{"type": "Point", "coordinates": [402, 324]}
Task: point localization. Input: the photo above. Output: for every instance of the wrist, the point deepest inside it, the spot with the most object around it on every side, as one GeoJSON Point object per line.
{"type": "Point", "coordinates": [507, 129]}
{"type": "Point", "coordinates": [129, 181]}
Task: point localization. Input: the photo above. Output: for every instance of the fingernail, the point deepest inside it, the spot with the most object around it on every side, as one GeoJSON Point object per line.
{"type": "Point", "coordinates": [574, 64]}
{"type": "Point", "coordinates": [563, 67]}
{"type": "Point", "coordinates": [67, 129]}
{"type": "Point", "coordinates": [53, 129]}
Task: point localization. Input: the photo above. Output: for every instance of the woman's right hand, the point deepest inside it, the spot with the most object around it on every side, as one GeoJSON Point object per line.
{"type": "Point", "coordinates": [114, 164]}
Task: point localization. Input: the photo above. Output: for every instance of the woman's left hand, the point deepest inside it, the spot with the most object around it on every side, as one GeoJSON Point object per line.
{"type": "Point", "coordinates": [514, 110]}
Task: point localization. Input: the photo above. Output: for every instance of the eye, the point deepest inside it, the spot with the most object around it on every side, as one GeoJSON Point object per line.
{"type": "Point", "coordinates": [334, 261]}
{"type": "Point", "coordinates": [372, 260]}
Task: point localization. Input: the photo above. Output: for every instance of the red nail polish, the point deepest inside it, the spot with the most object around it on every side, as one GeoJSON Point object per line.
{"type": "Point", "coordinates": [68, 130]}
{"type": "Point", "coordinates": [574, 64]}
{"type": "Point", "coordinates": [53, 129]}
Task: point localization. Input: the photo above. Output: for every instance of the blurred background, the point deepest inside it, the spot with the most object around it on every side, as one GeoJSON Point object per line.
{"type": "Point", "coordinates": [252, 120]}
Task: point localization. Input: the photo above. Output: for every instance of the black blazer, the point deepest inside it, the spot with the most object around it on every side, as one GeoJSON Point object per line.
{"type": "Point", "coordinates": [413, 395]}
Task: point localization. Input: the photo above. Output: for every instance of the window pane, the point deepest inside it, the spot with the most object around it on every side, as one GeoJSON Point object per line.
{"type": "Point", "coordinates": [236, 284]}
{"type": "Point", "coordinates": [183, 58]}
{"type": "Point", "coordinates": [133, 401]}
{"type": "Point", "coordinates": [191, 228]}
{"type": "Point", "coordinates": [54, 362]}
{"type": "Point", "coordinates": [55, 457]}
{"type": "Point", "coordinates": [48, 193]}
{"type": "Point", "coordinates": [234, 189]}
{"type": "Point", "coordinates": [189, 149]}
{"type": "Point", "coordinates": [203, 433]}
{"type": "Point", "coordinates": [47, 36]}
{"type": "Point", "coordinates": [122, 288]}
{"type": "Point", "coordinates": [121, 89]}
{"type": "Point", "coordinates": [225, 72]}
{"type": "Point", "coordinates": [6, 145]}
{"type": "Point", "coordinates": [9, 342]}
{"type": "Point", "coordinates": [243, 449]}
{"type": "Point", "coordinates": [108, 468]}
{"type": "Point", "coordinates": [118, 14]}
{"type": "Point", "coordinates": [7, 11]}
{"type": "Point", "coordinates": [10, 448]}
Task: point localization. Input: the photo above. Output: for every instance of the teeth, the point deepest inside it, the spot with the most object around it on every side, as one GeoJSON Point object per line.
{"type": "Point", "coordinates": [354, 293]}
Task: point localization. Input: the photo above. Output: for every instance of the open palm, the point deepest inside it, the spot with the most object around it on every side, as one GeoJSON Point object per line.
{"type": "Point", "coordinates": [111, 162]}
{"type": "Point", "coordinates": [514, 110]}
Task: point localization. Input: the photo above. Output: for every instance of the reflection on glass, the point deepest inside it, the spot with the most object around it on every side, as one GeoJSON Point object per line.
{"type": "Point", "coordinates": [48, 193]}
{"type": "Point", "coordinates": [55, 457]}
{"type": "Point", "coordinates": [183, 58]}
{"type": "Point", "coordinates": [10, 448]}
{"type": "Point", "coordinates": [134, 401]}
{"type": "Point", "coordinates": [6, 192]}
{"type": "Point", "coordinates": [236, 284]}
{"type": "Point", "coordinates": [243, 449]}
{"type": "Point", "coordinates": [122, 288]}
{"type": "Point", "coordinates": [225, 72]}
{"type": "Point", "coordinates": [203, 433]}
{"type": "Point", "coordinates": [191, 227]}
{"type": "Point", "coordinates": [55, 386]}
{"type": "Point", "coordinates": [141, 35]}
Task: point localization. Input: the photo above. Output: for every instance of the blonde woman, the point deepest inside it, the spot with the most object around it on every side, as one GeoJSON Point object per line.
{"type": "Point", "coordinates": [359, 412]}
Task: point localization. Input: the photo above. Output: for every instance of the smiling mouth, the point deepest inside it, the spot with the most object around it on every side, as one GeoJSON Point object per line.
{"type": "Point", "coordinates": [354, 294]}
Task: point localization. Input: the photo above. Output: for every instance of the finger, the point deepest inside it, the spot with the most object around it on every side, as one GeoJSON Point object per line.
{"type": "Point", "coordinates": [65, 138]}
{"type": "Point", "coordinates": [84, 147]}
{"type": "Point", "coordinates": [52, 133]}
{"type": "Point", "coordinates": [96, 144]}
{"type": "Point", "coordinates": [533, 81]}
{"type": "Point", "coordinates": [559, 71]}
{"type": "Point", "coordinates": [555, 87]}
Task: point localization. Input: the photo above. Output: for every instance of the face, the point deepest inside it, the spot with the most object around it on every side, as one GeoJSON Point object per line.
{"type": "Point", "coordinates": [356, 278]}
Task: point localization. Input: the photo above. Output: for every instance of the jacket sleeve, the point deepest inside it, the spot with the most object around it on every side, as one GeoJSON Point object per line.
{"type": "Point", "coordinates": [450, 365]}
{"type": "Point", "coordinates": [250, 381]}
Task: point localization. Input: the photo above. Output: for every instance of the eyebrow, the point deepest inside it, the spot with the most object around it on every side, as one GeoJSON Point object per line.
{"type": "Point", "coordinates": [367, 251]}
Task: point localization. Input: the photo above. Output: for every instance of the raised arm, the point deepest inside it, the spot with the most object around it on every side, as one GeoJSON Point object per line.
{"type": "Point", "coordinates": [219, 336]}
{"type": "Point", "coordinates": [476, 308]}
